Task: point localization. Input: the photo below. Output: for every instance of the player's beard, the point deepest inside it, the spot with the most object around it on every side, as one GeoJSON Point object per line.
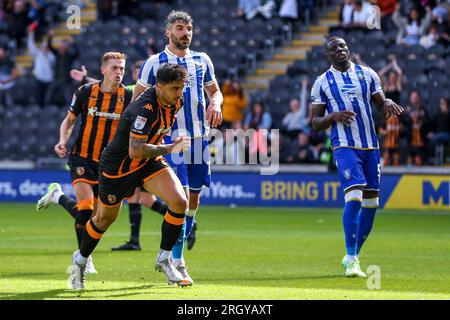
{"type": "Point", "coordinates": [177, 43]}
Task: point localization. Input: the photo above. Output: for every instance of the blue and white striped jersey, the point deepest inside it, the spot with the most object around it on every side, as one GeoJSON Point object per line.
{"type": "Point", "coordinates": [352, 91]}
{"type": "Point", "coordinates": [191, 119]}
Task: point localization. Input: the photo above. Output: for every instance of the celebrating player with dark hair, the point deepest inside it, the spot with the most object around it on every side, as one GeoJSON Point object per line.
{"type": "Point", "coordinates": [195, 118]}
{"type": "Point", "coordinates": [134, 158]}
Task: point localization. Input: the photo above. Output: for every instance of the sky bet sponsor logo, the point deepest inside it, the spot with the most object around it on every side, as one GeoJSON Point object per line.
{"type": "Point", "coordinates": [436, 193]}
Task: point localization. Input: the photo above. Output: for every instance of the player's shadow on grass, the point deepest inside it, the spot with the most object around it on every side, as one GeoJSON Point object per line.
{"type": "Point", "coordinates": [69, 294]}
{"type": "Point", "coordinates": [27, 275]}
{"type": "Point", "coordinates": [289, 278]}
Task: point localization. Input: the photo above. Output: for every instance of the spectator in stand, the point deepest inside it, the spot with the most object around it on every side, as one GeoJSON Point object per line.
{"type": "Point", "coordinates": [411, 28]}
{"type": "Point", "coordinates": [394, 83]}
{"type": "Point", "coordinates": [296, 120]}
{"type": "Point", "coordinates": [431, 38]}
{"type": "Point", "coordinates": [18, 20]}
{"type": "Point", "coordinates": [234, 104]}
{"type": "Point", "coordinates": [44, 63]}
{"type": "Point", "coordinates": [439, 12]}
{"type": "Point", "coordinates": [420, 126]}
{"type": "Point", "coordinates": [306, 8]}
{"type": "Point", "coordinates": [346, 14]}
{"type": "Point", "coordinates": [305, 152]}
{"type": "Point", "coordinates": [249, 9]}
{"type": "Point", "coordinates": [36, 13]}
{"type": "Point", "coordinates": [360, 14]}
{"type": "Point", "coordinates": [258, 119]}
{"type": "Point", "coordinates": [286, 149]}
{"type": "Point", "coordinates": [440, 124]}
{"type": "Point", "coordinates": [387, 8]}
{"type": "Point", "coordinates": [445, 31]}
{"type": "Point", "coordinates": [288, 10]}
{"type": "Point", "coordinates": [395, 128]}
{"type": "Point", "coordinates": [65, 53]}
{"type": "Point", "coordinates": [8, 73]}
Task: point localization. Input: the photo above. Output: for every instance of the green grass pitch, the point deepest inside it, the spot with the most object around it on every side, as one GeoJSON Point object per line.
{"type": "Point", "coordinates": [241, 253]}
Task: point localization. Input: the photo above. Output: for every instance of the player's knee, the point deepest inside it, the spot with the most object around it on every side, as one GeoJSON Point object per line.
{"type": "Point", "coordinates": [370, 203]}
{"type": "Point", "coordinates": [354, 195]}
{"type": "Point", "coordinates": [85, 208]}
{"type": "Point", "coordinates": [103, 223]}
{"type": "Point", "coordinates": [103, 219]}
{"type": "Point", "coordinates": [179, 203]}
{"type": "Point", "coordinates": [194, 200]}
{"type": "Point", "coordinates": [82, 218]}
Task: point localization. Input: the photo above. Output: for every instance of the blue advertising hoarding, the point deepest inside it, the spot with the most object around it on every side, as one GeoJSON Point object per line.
{"type": "Point", "coordinates": [252, 189]}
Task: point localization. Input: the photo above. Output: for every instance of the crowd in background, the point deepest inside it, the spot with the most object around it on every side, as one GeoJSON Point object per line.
{"type": "Point", "coordinates": [413, 138]}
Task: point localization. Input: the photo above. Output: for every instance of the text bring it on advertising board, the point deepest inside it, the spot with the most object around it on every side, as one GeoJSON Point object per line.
{"type": "Point", "coordinates": [252, 189]}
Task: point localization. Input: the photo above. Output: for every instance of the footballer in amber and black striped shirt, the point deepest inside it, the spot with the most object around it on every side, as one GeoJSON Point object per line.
{"type": "Point", "coordinates": [100, 106]}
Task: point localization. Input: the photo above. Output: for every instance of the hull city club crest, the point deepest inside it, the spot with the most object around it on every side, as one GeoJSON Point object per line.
{"type": "Point", "coordinates": [80, 171]}
{"type": "Point", "coordinates": [111, 198]}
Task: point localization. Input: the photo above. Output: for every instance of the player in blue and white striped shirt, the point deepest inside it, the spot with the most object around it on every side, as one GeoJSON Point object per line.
{"type": "Point", "coordinates": [343, 98]}
{"type": "Point", "coordinates": [193, 120]}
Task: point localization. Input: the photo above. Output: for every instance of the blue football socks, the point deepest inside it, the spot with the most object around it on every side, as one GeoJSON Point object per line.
{"type": "Point", "coordinates": [366, 219]}
{"type": "Point", "coordinates": [350, 221]}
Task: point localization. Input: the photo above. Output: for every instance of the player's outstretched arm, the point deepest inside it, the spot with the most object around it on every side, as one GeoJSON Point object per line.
{"type": "Point", "coordinates": [321, 122]}
{"type": "Point", "coordinates": [138, 149]}
{"type": "Point", "coordinates": [65, 130]}
{"type": "Point", "coordinates": [386, 106]}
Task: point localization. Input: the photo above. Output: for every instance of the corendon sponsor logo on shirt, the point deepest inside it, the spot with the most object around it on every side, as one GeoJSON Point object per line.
{"type": "Point", "coordinates": [109, 115]}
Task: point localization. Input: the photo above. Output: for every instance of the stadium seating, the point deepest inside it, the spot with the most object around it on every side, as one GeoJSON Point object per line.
{"type": "Point", "coordinates": [216, 24]}
{"type": "Point", "coordinates": [425, 70]}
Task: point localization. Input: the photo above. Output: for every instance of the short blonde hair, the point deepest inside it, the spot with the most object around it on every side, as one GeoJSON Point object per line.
{"type": "Point", "coordinates": [113, 55]}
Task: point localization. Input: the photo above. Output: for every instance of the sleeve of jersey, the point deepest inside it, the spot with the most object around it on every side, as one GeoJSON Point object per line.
{"type": "Point", "coordinates": [140, 126]}
{"type": "Point", "coordinates": [210, 76]}
{"type": "Point", "coordinates": [375, 82]}
{"type": "Point", "coordinates": [128, 95]}
{"type": "Point", "coordinates": [317, 94]}
{"type": "Point", "coordinates": [147, 74]}
{"type": "Point", "coordinates": [76, 105]}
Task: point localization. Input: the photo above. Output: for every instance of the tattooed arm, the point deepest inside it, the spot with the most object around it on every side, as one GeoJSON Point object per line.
{"type": "Point", "coordinates": [138, 149]}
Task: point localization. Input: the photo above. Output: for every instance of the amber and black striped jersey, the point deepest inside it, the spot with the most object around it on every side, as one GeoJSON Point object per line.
{"type": "Point", "coordinates": [391, 140]}
{"type": "Point", "coordinates": [144, 118]}
{"type": "Point", "coordinates": [419, 126]}
{"type": "Point", "coordinates": [100, 114]}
